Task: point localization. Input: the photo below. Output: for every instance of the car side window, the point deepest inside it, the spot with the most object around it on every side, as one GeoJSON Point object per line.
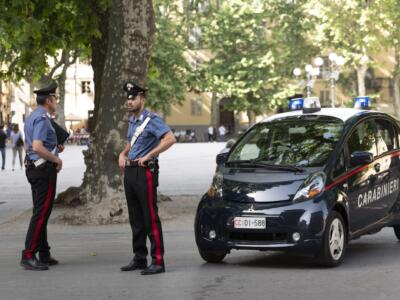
{"type": "Point", "coordinates": [340, 167]}
{"type": "Point", "coordinates": [385, 136]}
{"type": "Point", "coordinates": [363, 138]}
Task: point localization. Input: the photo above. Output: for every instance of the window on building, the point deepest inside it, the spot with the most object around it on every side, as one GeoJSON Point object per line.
{"type": "Point", "coordinates": [85, 87]}
{"type": "Point", "coordinates": [196, 107]}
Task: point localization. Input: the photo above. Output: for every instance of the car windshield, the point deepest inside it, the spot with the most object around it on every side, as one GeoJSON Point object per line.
{"type": "Point", "coordinates": [303, 141]}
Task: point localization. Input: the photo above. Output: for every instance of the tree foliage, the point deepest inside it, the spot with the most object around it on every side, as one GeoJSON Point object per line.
{"type": "Point", "coordinates": [34, 31]}
{"type": "Point", "coordinates": [255, 45]}
{"type": "Point", "coordinates": [168, 69]}
{"type": "Point", "coordinates": [352, 28]}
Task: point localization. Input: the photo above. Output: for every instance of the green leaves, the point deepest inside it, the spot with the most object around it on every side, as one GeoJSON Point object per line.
{"type": "Point", "coordinates": [34, 31]}
{"type": "Point", "coordinates": [168, 69]}
{"type": "Point", "coordinates": [255, 45]}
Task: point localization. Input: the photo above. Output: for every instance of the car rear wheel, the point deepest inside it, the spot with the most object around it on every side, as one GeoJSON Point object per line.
{"type": "Point", "coordinates": [212, 256]}
{"type": "Point", "coordinates": [396, 229]}
{"type": "Point", "coordinates": [334, 241]}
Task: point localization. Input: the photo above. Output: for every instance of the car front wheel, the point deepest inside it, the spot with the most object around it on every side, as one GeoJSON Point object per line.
{"type": "Point", "coordinates": [396, 229]}
{"type": "Point", "coordinates": [334, 241]}
{"type": "Point", "coordinates": [212, 256]}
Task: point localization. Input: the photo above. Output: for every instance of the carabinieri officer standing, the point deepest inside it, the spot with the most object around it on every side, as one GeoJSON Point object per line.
{"type": "Point", "coordinates": [42, 165]}
{"type": "Point", "coordinates": [148, 136]}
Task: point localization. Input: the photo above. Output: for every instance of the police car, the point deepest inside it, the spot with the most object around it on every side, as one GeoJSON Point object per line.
{"type": "Point", "coordinates": [308, 180]}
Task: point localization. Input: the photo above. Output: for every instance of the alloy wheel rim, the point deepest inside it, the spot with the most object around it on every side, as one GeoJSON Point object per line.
{"type": "Point", "coordinates": [336, 239]}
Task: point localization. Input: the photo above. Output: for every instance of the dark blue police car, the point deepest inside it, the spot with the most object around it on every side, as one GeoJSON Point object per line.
{"type": "Point", "coordinates": [308, 180]}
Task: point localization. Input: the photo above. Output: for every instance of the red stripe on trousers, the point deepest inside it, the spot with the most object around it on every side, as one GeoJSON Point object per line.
{"type": "Point", "coordinates": [153, 217]}
{"type": "Point", "coordinates": [41, 219]}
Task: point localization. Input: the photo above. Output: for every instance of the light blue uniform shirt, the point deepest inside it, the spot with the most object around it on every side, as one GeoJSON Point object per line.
{"type": "Point", "coordinates": [149, 138]}
{"type": "Point", "coordinates": [38, 127]}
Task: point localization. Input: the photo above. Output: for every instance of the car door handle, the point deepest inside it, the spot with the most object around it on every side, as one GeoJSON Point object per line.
{"type": "Point", "coordinates": [377, 167]}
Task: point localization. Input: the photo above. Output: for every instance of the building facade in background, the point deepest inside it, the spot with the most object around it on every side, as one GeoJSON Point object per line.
{"type": "Point", "coordinates": [194, 115]}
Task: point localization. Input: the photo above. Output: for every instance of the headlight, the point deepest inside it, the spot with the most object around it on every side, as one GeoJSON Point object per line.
{"type": "Point", "coordinates": [216, 186]}
{"type": "Point", "coordinates": [312, 187]}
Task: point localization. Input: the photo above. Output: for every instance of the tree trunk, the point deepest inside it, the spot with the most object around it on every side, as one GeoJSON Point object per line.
{"type": "Point", "coordinates": [396, 87]}
{"type": "Point", "coordinates": [130, 37]}
{"type": "Point", "coordinates": [361, 71]}
{"type": "Point", "coordinates": [214, 110]}
{"type": "Point", "coordinates": [396, 82]}
{"type": "Point", "coordinates": [252, 117]}
{"type": "Point", "coordinates": [61, 89]}
{"type": "Point", "coordinates": [99, 54]}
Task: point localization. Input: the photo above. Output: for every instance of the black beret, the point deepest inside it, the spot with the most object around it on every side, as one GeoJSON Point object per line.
{"type": "Point", "coordinates": [133, 89]}
{"type": "Point", "coordinates": [47, 91]}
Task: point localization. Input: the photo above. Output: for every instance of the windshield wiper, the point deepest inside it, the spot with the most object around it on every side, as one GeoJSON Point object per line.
{"type": "Point", "coordinates": [244, 162]}
{"type": "Point", "coordinates": [259, 163]}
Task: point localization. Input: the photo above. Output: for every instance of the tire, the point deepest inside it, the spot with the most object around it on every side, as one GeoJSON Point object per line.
{"type": "Point", "coordinates": [396, 229]}
{"type": "Point", "coordinates": [212, 256]}
{"type": "Point", "coordinates": [208, 255]}
{"type": "Point", "coordinates": [335, 234]}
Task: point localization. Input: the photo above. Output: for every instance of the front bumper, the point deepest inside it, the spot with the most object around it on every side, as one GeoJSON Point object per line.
{"type": "Point", "coordinates": [282, 220]}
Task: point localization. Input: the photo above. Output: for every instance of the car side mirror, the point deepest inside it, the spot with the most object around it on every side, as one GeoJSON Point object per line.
{"type": "Point", "coordinates": [360, 158]}
{"type": "Point", "coordinates": [230, 143]}
{"type": "Point", "coordinates": [222, 157]}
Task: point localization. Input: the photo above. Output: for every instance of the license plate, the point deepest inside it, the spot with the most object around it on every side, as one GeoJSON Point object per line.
{"type": "Point", "coordinates": [249, 223]}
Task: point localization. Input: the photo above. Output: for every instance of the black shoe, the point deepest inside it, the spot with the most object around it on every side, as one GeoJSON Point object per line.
{"type": "Point", "coordinates": [48, 260]}
{"type": "Point", "coordinates": [153, 269]}
{"type": "Point", "coordinates": [33, 264]}
{"type": "Point", "coordinates": [134, 265]}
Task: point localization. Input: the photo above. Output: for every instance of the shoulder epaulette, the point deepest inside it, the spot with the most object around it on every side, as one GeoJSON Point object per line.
{"type": "Point", "coordinates": [152, 115]}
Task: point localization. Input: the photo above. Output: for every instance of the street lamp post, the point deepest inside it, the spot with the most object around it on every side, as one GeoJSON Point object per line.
{"type": "Point", "coordinates": [336, 61]}
{"type": "Point", "coordinates": [311, 73]}
{"type": "Point", "coordinates": [309, 70]}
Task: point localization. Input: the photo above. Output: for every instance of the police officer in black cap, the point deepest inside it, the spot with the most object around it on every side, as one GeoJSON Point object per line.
{"type": "Point", "coordinates": [42, 165]}
{"type": "Point", "coordinates": [148, 136]}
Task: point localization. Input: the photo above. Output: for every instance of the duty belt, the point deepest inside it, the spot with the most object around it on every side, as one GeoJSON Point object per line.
{"type": "Point", "coordinates": [131, 163]}
{"type": "Point", "coordinates": [151, 164]}
{"type": "Point", "coordinates": [31, 163]}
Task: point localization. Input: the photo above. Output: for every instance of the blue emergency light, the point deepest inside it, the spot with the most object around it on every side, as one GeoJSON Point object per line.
{"type": "Point", "coordinates": [362, 102]}
{"type": "Point", "coordinates": [296, 104]}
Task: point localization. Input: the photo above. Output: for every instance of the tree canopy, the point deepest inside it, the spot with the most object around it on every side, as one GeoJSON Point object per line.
{"type": "Point", "coordinates": [254, 46]}
{"type": "Point", "coordinates": [168, 69]}
{"type": "Point", "coordinates": [34, 32]}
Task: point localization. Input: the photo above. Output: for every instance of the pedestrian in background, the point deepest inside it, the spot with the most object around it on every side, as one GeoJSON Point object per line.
{"type": "Point", "coordinates": [3, 139]}
{"type": "Point", "coordinates": [8, 130]}
{"type": "Point", "coordinates": [214, 134]}
{"type": "Point", "coordinates": [17, 144]}
{"type": "Point", "coordinates": [210, 133]}
{"type": "Point", "coordinates": [222, 132]}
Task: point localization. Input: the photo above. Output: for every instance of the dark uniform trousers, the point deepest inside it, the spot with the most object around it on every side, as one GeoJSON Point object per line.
{"type": "Point", "coordinates": [141, 194]}
{"type": "Point", "coordinates": [43, 180]}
